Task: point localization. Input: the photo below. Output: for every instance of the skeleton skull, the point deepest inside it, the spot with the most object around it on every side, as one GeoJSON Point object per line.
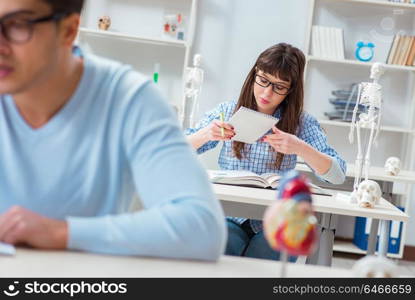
{"type": "Point", "coordinates": [374, 266]}
{"type": "Point", "coordinates": [368, 193]}
{"type": "Point", "coordinates": [392, 166]}
{"type": "Point", "coordinates": [376, 71]}
{"type": "Point", "coordinates": [104, 23]}
{"type": "Point", "coordinates": [197, 59]}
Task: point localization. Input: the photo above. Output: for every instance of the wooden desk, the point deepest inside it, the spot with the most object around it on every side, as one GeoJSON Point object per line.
{"type": "Point", "coordinates": [322, 204]}
{"type": "Point", "coordinates": [55, 264]}
{"type": "Point", "coordinates": [251, 203]}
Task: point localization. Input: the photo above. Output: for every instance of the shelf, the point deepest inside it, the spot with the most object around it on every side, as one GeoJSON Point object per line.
{"type": "Point", "coordinates": [382, 128]}
{"type": "Point", "coordinates": [133, 38]}
{"type": "Point", "coordinates": [377, 20]}
{"type": "Point", "coordinates": [381, 3]}
{"type": "Point", "coordinates": [359, 63]}
{"type": "Point", "coordinates": [349, 247]}
{"type": "Point", "coordinates": [375, 173]}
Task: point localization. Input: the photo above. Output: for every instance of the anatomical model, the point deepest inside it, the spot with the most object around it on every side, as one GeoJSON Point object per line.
{"type": "Point", "coordinates": [193, 80]}
{"type": "Point", "coordinates": [370, 96]}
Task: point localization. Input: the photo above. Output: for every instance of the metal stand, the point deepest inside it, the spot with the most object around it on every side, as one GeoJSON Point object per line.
{"type": "Point", "coordinates": [387, 189]}
{"type": "Point", "coordinates": [373, 237]}
{"type": "Point", "coordinates": [284, 259]}
{"type": "Point", "coordinates": [384, 237]}
{"type": "Point", "coordinates": [327, 229]}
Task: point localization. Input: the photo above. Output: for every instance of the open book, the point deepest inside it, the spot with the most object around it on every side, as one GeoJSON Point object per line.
{"type": "Point", "coordinates": [244, 178]}
{"type": "Point", "coordinates": [247, 178]}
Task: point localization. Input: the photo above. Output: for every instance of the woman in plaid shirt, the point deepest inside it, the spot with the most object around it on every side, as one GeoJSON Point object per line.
{"type": "Point", "coordinates": [274, 86]}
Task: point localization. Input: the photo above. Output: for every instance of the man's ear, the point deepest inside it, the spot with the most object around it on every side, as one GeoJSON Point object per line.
{"type": "Point", "coordinates": [69, 29]}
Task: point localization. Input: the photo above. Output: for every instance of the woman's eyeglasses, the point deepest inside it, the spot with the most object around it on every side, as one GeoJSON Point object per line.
{"type": "Point", "coordinates": [18, 29]}
{"type": "Point", "coordinates": [277, 88]}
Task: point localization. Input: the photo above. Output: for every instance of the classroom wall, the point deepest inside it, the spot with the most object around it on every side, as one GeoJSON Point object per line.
{"type": "Point", "coordinates": [230, 35]}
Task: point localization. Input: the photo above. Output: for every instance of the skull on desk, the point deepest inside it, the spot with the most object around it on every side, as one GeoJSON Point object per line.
{"type": "Point", "coordinates": [374, 267]}
{"type": "Point", "coordinates": [392, 166]}
{"type": "Point", "coordinates": [368, 194]}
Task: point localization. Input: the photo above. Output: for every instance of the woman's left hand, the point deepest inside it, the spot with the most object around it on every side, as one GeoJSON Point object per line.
{"type": "Point", "coordinates": [283, 142]}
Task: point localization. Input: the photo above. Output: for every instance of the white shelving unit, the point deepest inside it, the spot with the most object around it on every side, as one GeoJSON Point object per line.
{"type": "Point", "coordinates": [135, 37]}
{"type": "Point", "coordinates": [365, 20]}
{"type": "Point", "coordinates": [382, 128]}
{"type": "Point", "coordinates": [385, 3]}
{"type": "Point", "coordinates": [358, 63]}
{"type": "Point", "coordinates": [347, 247]}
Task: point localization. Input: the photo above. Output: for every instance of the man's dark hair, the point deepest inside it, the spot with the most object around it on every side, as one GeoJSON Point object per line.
{"type": "Point", "coordinates": [66, 6]}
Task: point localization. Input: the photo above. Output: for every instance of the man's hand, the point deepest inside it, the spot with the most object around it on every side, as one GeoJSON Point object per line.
{"type": "Point", "coordinates": [21, 226]}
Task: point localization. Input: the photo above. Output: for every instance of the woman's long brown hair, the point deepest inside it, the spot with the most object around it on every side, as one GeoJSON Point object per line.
{"type": "Point", "coordinates": [287, 63]}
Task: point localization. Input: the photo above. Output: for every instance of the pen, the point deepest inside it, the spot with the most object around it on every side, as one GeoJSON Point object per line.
{"type": "Point", "coordinates": [222, 119]}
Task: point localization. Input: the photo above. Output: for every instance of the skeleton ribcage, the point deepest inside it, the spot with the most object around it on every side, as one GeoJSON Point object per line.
{"type": "Point", "coordinates": [371, 94]}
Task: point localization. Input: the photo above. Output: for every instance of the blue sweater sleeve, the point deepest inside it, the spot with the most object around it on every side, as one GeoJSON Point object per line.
{"type": "Point", "coordinates": [311, 133]}
{"type": "Point", "coordinates": [181, 217]}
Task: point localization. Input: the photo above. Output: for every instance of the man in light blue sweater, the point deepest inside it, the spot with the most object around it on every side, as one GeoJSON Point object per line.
{"type": "Point", "coordinates": [80, 136]}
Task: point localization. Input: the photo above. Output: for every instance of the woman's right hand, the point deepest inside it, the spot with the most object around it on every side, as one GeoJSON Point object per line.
{"type": "Point", "coordinates": [214, 131]}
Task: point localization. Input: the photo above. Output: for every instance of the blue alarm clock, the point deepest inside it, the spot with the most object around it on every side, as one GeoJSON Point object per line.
{"type": "Point", "coordinates": [364, 51]}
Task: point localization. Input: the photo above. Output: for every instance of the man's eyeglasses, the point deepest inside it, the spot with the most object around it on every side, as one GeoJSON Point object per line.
{"type": "Point", "coordinates": [18, 29]}
{"type": "Point", "coordinates": [277, 88]}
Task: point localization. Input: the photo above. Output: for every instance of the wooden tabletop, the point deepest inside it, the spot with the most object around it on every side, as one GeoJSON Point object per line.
{"type": "Point", "coordinates": [324, 204]}
{"type": "Point", "coordinates": [36, 263]}
{"type": "Point", "coordinates": [375, 173]}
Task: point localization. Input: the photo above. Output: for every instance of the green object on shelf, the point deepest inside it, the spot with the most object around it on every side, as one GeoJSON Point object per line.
{"type": "Point", "coordinates": [156, 73]}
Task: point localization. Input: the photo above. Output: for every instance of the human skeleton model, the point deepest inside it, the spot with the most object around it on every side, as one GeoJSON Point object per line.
{"type": "Point", "coordinates": [369, 95]}
{"type": "Point", "coordinates": [192, 86]}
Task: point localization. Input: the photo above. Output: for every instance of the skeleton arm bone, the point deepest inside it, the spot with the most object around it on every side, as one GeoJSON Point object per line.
{"type": "Point", "coordinates": [353, 124]}
{"type": "Point", "coordinates": [379, 116]}
{"type": "Point", "coordinates": [359, 159]}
